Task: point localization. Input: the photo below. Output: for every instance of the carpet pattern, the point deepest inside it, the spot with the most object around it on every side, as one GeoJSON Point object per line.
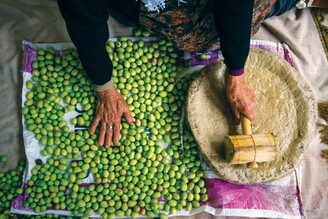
{"type": "Point", "coordinates": [320, 17]}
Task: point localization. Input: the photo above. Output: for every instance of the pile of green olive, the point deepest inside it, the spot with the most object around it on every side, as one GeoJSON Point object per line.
{"type": "Point", "coordinates": [10, 185]}
{"type": "Point", "coordinates": [155, 169]}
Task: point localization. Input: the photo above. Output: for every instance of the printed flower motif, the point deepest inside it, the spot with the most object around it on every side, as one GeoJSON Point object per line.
{"type": "Point", "coordinates": [190, 27]}
{"type": "Point", "coordinates": [179, 17]}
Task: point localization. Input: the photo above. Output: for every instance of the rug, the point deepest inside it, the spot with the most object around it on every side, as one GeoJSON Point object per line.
{"type": "Point", "coordinates": [323, 113]}
{"type": "Point", "coordinates": [320, 17]}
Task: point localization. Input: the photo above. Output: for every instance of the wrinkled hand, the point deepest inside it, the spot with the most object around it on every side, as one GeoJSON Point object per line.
{"type": "Point", "coordinates": [111, 106]}
{"type": "Point", "coordinates": [241, 97]}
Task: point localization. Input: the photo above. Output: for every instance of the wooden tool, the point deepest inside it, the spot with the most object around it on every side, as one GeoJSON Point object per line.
{"type": "Point", "coordinates": [249, 148]}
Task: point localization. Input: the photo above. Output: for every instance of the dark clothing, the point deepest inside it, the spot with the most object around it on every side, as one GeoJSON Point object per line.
{"type": "Point", "coordinates": [228, 21]}
{"type": "Point", "coordinates": [234, 27]}
{"type": "Point", "coordinates": [86, 22]}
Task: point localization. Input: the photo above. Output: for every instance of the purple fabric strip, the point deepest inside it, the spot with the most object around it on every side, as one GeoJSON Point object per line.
{"type": "Point", "coordinates": [195, 60]}
{"type": "Point", "coordinates": [237, 72]}
{"type": "Point", "coordinates": [19, 201]}
{"type": "Point", "coordinates": [279, 49]}
{"type": "Point", "coordinates": [226, 195]}
{"type": "Point", "coordinates": [29, 57]}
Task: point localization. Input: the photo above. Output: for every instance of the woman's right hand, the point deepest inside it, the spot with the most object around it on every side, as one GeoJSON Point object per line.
{"type": "Point", "coordinates": [111, 106]}
{"type": "Point", "coordinates": [241, 97]}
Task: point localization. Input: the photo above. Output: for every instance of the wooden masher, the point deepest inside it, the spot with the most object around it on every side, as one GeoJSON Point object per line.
{"type": "Point", "coordinates": [249, 148]}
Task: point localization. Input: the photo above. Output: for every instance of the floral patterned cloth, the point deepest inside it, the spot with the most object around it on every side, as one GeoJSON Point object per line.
{"type": "Point", "coordinates": [191, 26]}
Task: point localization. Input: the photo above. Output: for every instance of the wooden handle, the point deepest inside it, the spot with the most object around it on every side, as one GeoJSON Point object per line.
{"type": "Point", "coordinates": [247, 130]}
{"type": "Point", "coordinates": [246, 125]}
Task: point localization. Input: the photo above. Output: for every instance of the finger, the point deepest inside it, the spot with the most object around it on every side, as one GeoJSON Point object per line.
{"type": "Point", "coordinates": [109, 135]}
{"type": "Point", "coordinates": [236, 113]}
{"type": "Point", "coordinates": [102, 134]}
{"type": "Point", "coordinates": [253, 99]}
{"type": "Point", "coordinates": [94, 125]}
{"type": "Point", "coordinates": [116, 130]}
{"type": "Point", "coordinates": [250, 115]}
{"type": "Point", "coordinates": [249, 112]}
{"type": "Point", "coordinates": [128, 116]}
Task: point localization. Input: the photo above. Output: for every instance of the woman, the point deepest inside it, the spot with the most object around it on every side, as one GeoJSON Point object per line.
{"type": "Point", "coordinates": [191, 25]}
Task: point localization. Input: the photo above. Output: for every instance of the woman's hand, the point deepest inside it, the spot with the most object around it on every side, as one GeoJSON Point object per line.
{"type": "Point", "coordinates": [241, 97]}
{"type": "Point", "coordinates": [110, 108]}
